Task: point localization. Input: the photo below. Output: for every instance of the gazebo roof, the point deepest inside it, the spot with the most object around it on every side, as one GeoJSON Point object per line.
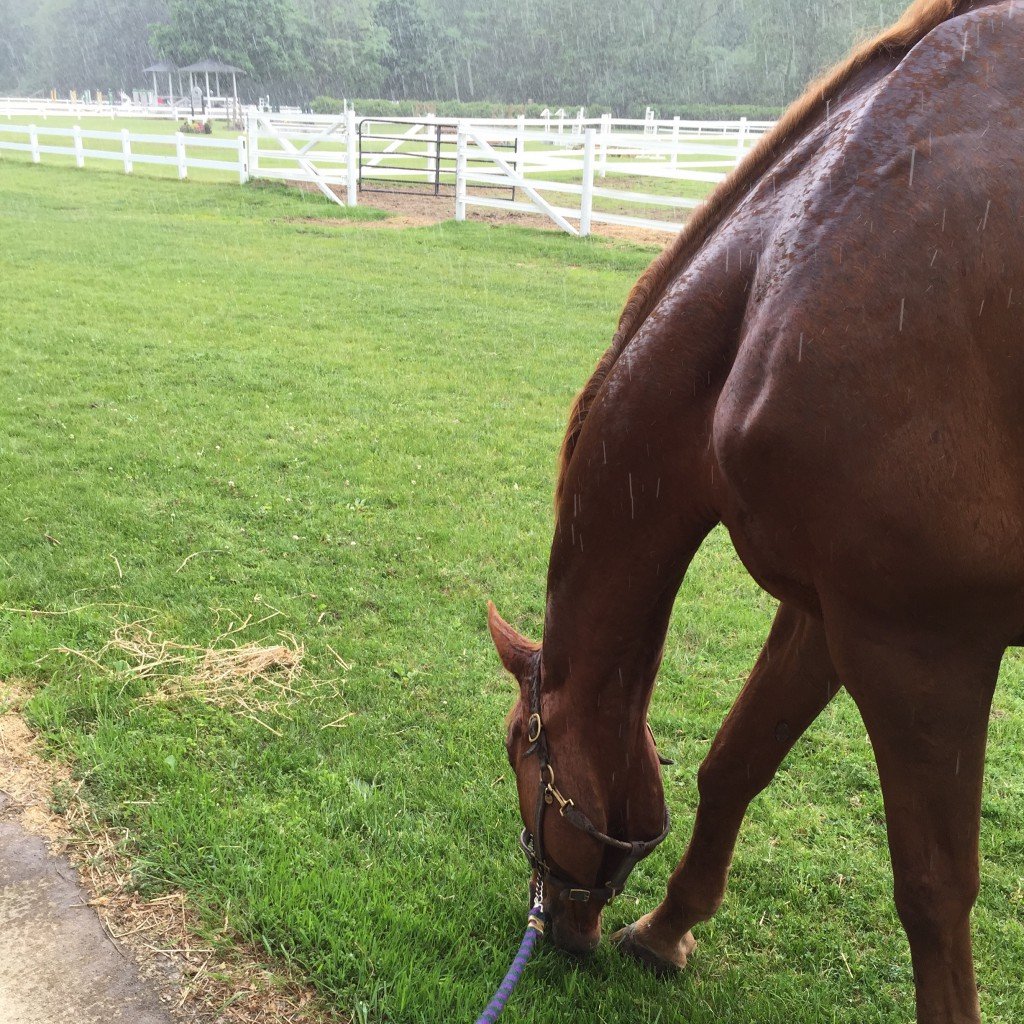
{"type": "Point", "coordinates": [214, 67]}
{"type": "Point", "coordinates": [162, 68]}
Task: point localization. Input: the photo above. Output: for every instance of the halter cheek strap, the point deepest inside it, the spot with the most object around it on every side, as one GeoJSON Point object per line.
{"type": "Point", "coordinates": [550, 796]}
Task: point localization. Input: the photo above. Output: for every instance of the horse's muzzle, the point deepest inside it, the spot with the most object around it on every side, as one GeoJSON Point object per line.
{"type": "Point", "coordinates": [575, 932]}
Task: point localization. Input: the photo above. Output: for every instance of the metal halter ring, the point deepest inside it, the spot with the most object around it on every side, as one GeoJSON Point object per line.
{"type": "Point", "coordinates": [534, 728]}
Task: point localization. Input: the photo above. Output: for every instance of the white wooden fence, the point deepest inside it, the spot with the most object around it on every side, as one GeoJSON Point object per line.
{"type": "Point", "coordinates": [480, 157]}
{"type": "Point", "coordinates": [124, 147]}
{"type": "Point", "coordinates": [566, 174]}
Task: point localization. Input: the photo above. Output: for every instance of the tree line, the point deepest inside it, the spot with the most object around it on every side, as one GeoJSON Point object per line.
{"type": "Point", "coordinates": [600, 53]}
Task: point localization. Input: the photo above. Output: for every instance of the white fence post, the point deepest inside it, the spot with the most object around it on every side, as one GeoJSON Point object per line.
{"type": "Point", "coordinates": [352, 157]}
{"type": "Point", "coordinates": [243, 161]}
{"type": "Point", "coordinates": [79, 151]}
{"type": "Point", "coordinates": [33, 141]}
{"type": "Point", "coordinates": [126, 149]}
{"type": "Point", "coordinates": [675, 142]}
{"type": "Point", "coordinates": [433, 150]}
{"type": "Point", "coordinates": [606, 137]}
{"type": "Point", "coordinates": [520, 163]}
{"type": "Point", "coordinates": [741, 150]}
{"type": "Point", "coordinates": [460, 173]}
{"type": "Point", "coordinates": [179, 148]}
{"type": "Point", "coordinates": [587, 198]}
{"type": "Point", "coordinates": [254, 145]}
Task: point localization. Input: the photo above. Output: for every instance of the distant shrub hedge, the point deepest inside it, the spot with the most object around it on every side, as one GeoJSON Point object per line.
{"type": "Point", "coordinates": [454, 108]}
{"type": "Point", "coordinates": [417, 108]}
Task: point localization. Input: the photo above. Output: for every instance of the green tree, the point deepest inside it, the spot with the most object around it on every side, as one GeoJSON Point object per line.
{"type": "Point", "coordinates": [263, 37]}
{"type": "Point", "coordinates": [344, 44]}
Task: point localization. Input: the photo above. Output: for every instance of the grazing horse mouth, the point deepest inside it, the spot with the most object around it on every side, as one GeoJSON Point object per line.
{"type": "Point", "coordinates": [532, 844]}
{"type": "Point", "coordinates": [575, 942]}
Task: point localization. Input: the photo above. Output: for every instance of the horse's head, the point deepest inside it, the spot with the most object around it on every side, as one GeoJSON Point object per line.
{"type": "Point", "coordinates": [574, 797]}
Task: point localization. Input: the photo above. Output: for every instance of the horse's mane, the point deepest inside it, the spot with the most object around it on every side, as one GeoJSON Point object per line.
{"type": "Point", "coordinates": [919, 19]}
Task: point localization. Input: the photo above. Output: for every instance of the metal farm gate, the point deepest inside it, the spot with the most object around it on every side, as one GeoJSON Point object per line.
{"type": "Point", "coordinates": [403, 157]}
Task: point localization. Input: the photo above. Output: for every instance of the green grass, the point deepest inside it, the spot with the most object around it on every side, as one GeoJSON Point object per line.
{"type": "Point", "coordinates": [358, 428]}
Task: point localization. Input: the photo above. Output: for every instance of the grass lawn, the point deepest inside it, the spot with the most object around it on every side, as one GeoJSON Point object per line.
{"type": "Point", "coordinates": [355, 430]}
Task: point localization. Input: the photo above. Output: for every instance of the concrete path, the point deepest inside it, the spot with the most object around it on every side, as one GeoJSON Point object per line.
{"type": "Point", "coordinates": [57, 964]}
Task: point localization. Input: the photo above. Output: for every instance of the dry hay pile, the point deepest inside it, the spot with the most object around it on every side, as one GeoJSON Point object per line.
{"type": "Point", "coordinates": [257, 680]}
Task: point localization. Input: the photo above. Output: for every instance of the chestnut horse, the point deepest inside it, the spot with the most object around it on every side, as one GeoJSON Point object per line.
{"type": "Point", "coordinates": [830, 361]}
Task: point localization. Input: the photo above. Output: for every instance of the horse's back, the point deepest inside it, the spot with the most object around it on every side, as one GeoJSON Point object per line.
{"type": "Point", "coordinates": [872, 415]}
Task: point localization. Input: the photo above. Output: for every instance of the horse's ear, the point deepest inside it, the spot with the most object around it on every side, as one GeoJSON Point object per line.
{"type": "Point", "coordinates": [516, 652]}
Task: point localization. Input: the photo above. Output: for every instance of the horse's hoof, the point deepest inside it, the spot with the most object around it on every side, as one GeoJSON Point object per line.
{"type": "Point", "coordinates": [663, 959]}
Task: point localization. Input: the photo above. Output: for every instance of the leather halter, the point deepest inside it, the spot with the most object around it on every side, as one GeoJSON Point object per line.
{"type": "Point", "coordinates": [549, 795]}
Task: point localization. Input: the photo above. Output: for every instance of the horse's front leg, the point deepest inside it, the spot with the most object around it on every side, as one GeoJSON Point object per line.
{"type": "Point", "coordinates": [791, 683]}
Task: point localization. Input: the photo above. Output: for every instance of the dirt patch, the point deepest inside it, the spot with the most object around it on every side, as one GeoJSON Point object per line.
{"type": "Point", "coordinates": [180, 973]}
{"type": "Point", "coordinates": [423, 210]}
{"type": "Point", "coordinates": [25, 777]}
{"type": "Point", "coordinates": [394, 222]}
{"type": "Point", "coordinates": [442, 208]}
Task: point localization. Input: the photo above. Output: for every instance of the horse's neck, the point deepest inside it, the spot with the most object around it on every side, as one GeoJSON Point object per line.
{"type": "Point", "coordinates": [638, 498]}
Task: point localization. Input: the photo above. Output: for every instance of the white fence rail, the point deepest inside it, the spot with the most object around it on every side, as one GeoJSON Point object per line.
{"type": "Point", "coordinates": [217, 108]}
{"type": "Point", "coordinates": [293, 118]}
{"type": "Point", "coordinates": [538, 166]}
{"type": "Point", "coordinates": [663, 128]}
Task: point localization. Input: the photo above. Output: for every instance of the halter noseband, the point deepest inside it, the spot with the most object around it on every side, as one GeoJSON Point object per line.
{"type": "Point", "coordinates": [549, 795]}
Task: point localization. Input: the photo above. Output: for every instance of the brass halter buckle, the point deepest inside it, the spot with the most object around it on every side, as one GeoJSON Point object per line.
{"type": "Point", "coordinates": [551, 794]}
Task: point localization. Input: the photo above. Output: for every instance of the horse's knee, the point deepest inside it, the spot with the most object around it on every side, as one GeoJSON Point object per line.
{"type": "Point", "coordinates": [729, 781]}
{"type": "Point", "coordinates": [713, 781]}
{"type": "Point", "coordinates": [934, 904]}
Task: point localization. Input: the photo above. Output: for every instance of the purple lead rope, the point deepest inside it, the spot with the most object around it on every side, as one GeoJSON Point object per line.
{"type": "Point", "coordinates": [534, 932]}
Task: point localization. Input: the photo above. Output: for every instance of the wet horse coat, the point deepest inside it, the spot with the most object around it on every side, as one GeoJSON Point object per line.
{"type": "Point", "coordinates": [829, 361]}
